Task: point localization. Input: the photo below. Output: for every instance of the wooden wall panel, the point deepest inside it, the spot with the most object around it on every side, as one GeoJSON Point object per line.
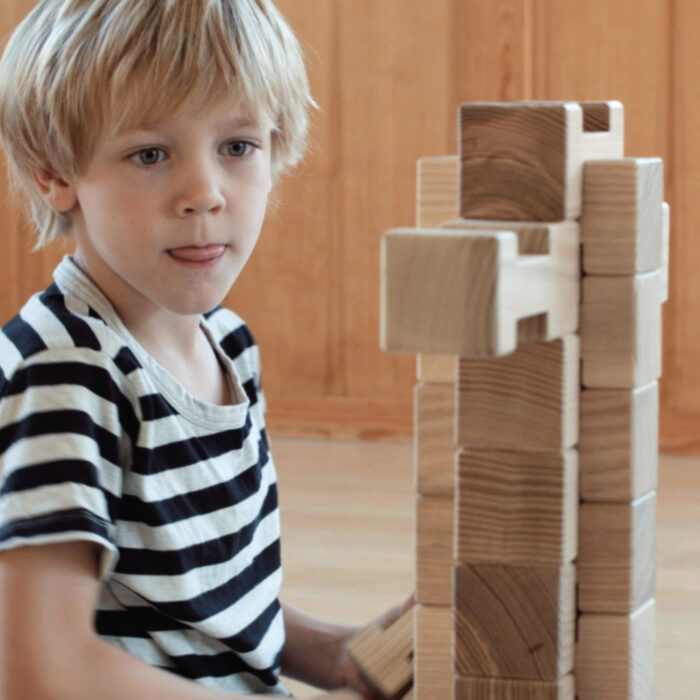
{"type": "Point", "coordinates": [388, 80]}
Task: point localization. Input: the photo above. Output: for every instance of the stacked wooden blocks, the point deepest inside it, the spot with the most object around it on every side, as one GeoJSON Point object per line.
{"type": "Point", "coordinates": [488, 290]}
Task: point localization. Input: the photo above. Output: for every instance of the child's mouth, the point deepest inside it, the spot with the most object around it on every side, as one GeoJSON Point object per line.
{"type": "Point", "coordinates": [198, 256]}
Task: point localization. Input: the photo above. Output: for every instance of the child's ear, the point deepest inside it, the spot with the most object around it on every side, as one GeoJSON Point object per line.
{"type": "Point", "coordinates": [57, 192]}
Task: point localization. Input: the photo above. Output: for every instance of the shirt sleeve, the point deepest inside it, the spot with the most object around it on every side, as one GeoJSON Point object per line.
{"type": "Point", "coordinates": [65, 430]}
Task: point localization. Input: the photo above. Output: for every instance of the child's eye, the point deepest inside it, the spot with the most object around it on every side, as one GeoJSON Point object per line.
{"type": "Point", "coordinates": [148, 156]}
{"type": "Point", "coordinates": [238, 148]}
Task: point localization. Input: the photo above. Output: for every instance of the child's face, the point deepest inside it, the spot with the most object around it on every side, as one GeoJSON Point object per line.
{"type": "Point", "coordinates": [167, 214]}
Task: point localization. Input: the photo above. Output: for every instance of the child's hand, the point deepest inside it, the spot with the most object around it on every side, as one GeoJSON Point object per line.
{"type": "Point", "coordinates": [348, 675]}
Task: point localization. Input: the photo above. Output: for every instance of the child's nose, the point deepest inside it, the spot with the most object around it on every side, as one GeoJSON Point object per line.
{"type": "Point", "coordinates": [199, 193]}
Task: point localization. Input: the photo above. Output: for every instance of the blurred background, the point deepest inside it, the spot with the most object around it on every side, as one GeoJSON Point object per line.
{"type": "Point", "coordinates": [388, 76]}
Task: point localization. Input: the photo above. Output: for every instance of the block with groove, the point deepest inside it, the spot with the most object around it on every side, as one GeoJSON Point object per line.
{"type": "Point", "coordinates": [436, 190]}
{"type": "Point", "coordinates": [621, 330]}
{"type": "Point", "coordinates": [434, 549]}
{"type": "Point", "coordinates": [385, 657]}
{"type": "Point", "coordinates": [435, 447]}
{"type": "Point", "coordinates": [516, 507]}
{"type": "Point", "coordinates": [621, 224]}
{"type": "Point", "coordinates": [615, 655]}
{"type": "Point", "coordinates": [514, 621]}
{"type": "Point", "coordinates": [433, 658]}
{"type": "Point", "coordinates": [522, 161]}
{"type": "Point", "coordinates": [504, 689]}
{"type": "Point", "coordinates": [463, 291]}
{"type": "Point", "coordinates": [528, 400]}
{"type": "Point", "coordinates": [619, 443]}
{"type": "Point", "coordinates": [617, 555]}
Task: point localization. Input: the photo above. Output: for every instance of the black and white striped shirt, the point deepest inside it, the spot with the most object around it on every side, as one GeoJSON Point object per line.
{"type": "Point", "coordinates": [98, 442]}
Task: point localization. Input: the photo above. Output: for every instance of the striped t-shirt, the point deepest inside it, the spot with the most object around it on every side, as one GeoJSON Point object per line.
{"type": "Point", "coordinates": [98, 442]}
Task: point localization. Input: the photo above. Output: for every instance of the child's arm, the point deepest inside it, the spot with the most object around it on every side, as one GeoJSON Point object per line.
{"type": "Point", "coordinates": [315, 651]}
{"type": "Point", "coordinates": [48, 647]}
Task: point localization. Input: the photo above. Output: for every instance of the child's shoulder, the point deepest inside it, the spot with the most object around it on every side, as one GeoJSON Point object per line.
{"type": "Point", "coordinates": [231, 332]}
{"type": "Point", "coordinates": [55, 329]}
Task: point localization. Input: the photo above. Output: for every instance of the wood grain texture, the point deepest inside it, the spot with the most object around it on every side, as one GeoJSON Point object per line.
{"type": "Point", "coordinates": [433, 653]}
{"type": "Point", "coordinates": [436, 369]}
{"type": "Point", "coordinates": [385, 657]}
{"type": "Point", "coordinates": [666, 249]}
{"type": "Point", "coordinates": [520, 162]}
{"type": "Point", "coordinates": [622, 220]}
{"type": "Point", "coordinates": [514, 621]}
{"type": "Point", "coordinates": [615, 655]}
{"type": "Point", "coordinates": [516, 507]}
{"type": "Point", "coordinates": [534, 392]}
{"type": "Point", "coordinates": [616, 566]}
{"type": "Point", "coordinates": [619, 443]}
{"type": "Point", "coordinates": [435, 446]}
{"type": "Point", "coordinates": [434, 549]}
{"type": "Point", "coordinates": [503, 689]}
{"type": "Point", "coordinates": [436, 190]}
{"type": "Point", "coordinates": [621, 330]}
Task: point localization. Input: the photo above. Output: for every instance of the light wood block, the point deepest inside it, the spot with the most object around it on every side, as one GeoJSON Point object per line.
{"type": "Point", "coordinates": [516, 507]}
{"type": "Point", "coordinates": [619, 443]}
{"type": "Point", "coordinates": [437, 185]}
{"type": "Point", "coordinates": [385, 657]}
{"type": "Point", "coordinates": [522, 161]}
{"type": "Point", "coordinates": [433, 655]}
{"type": "Point", "coordinates": [617, 555]}
{"type": "Point", "coordinates": [503, 689]}
{"type": "Point", "coordinates": [622, 220]}
{"type": "Point", "coordinates": [434, 431]}
{"type": "Point", "coordinates": [514, 621]}
{"type": "Point", "coordinates": [621, 330]}
{"type": "Point", "coordinates": [615, 656]}
{"type": "Point", "coordinates": [528, 400]}
{"type": "Point", "coordinates": [434, 549]}
{"type": "Point", "coordinates": [545, 294]}
{"type": "Point", "coordinates": [436, 369]}
{"type": "Point", "coordinates": [666, 235]}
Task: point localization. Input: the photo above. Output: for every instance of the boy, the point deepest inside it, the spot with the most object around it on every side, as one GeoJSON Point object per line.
{"type": "Point", "coordinates": [139, 528]}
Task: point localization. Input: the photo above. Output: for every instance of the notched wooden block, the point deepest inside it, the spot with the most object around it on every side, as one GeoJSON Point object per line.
{"type": "Point", "coordinates": [528, 400]}
{"type": "Point", "coordinates": [504, 689]}
{"type": "Point", "coordinates": [516, 507]}
{"type": "Point", "coordinates": [615, 655]}
{"type": "Point", "coordinates": [621, 330]}
{"type": "Point", "coordinates": [436, 369]}
{"type": "Point", "coordinates": [433, 654]}
{"type": "Point", "coordinates": [385, 657]}
{"type": "Point", "coordinates": [436, 190]}
{"type": "Point", "coordinates": [434, 438]}
{"type": "Point", "coordinates": [434, 549]}
{"type": "Point", "coordinates": [619, 443]}
{"type": "Point", "coordinates": [514, 621]}
{"type": "Point", "coordinates": [617, 555]}
{"type": "Point", "coordinates": [522, 161]}
{"type": "Point", "coordinates": [622, 220]}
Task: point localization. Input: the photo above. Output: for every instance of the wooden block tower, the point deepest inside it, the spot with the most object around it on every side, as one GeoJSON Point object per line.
{"type": "Point", "coordinates": [531, 290]}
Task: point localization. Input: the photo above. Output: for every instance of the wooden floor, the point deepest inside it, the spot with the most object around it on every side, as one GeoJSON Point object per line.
{"type": "Point", "coordinates": [347, 522]}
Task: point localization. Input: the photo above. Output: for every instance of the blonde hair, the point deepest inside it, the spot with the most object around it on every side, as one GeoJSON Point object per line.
{"type": "Point", "coordinates": [74, 68]}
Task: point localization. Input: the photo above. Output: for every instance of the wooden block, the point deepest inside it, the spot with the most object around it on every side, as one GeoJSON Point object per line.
{"type": "Point", "coordinates": [528, 400]}
{"type": "Point", "coordinates": [385, 657]}
{"type": "Point", "coordinates": [514, 621]}
{"type": "Point", "coordinates": [434, 549]}
{"type": "Point", "coordinates": [434, 431]}
{"type": "Point", "coordinates": [617, 555]}
{"type": "Point", "coordinates": [437, 185]}
{"type": "Point", "coordinates": [543, 293]}
{"type": "Point", "coordinates": [615, 656]}
{"type": "Point", "coordinates": [433, 655]}
{"type": "Point", "coordinates": [503, 689]}
{"type": "Point", "coordinates": [619, 443]}
{"type": "Point", "coordinates": [621, 224]}
{"type": "Point", "coordinates": [621, 330]}
{"type": "Point", "coordinates": [603, 130]}
{"type": "Point", "coordinates": [666, 235]}
{"type": "Point", "coordinates": [436, 369]}
{"type": "Point", "coordinates": [516, 507]}
{"type": "Point", "coordinates": [522, 161]}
